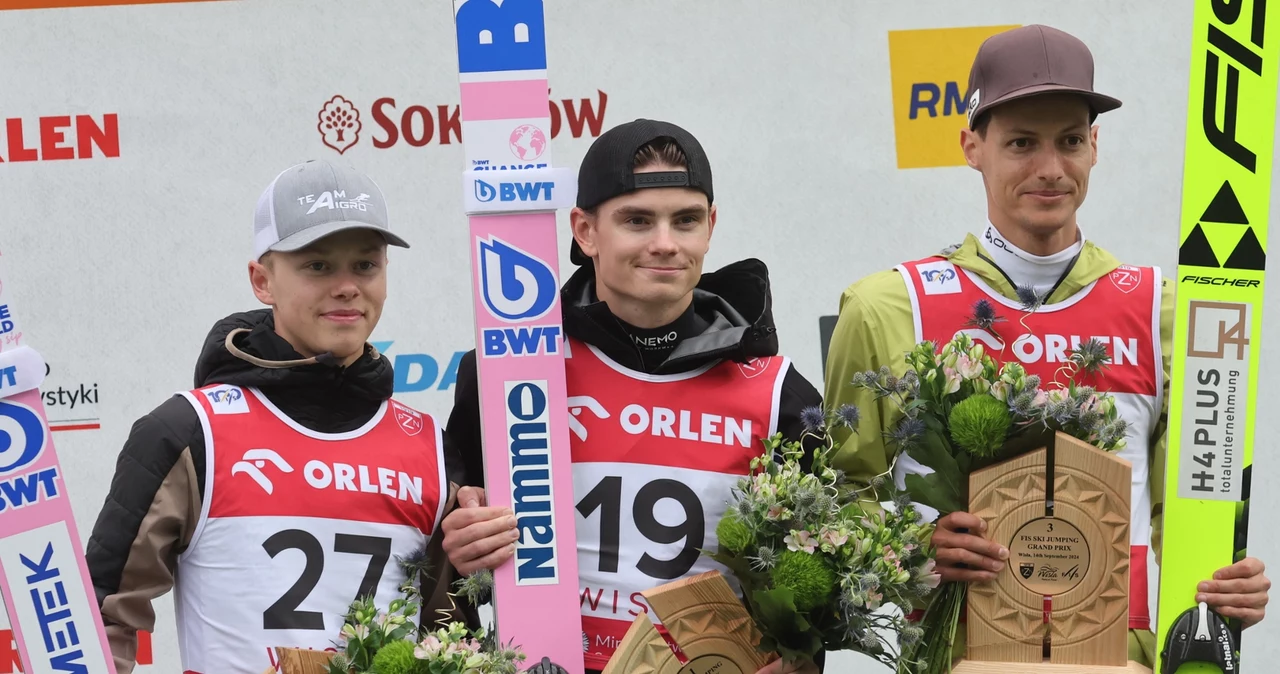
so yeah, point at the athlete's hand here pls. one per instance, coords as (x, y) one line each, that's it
(780, 667)
(478, 537)
(963, 556)
(1238, 591)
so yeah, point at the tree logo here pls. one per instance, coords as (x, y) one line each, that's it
(339, 124)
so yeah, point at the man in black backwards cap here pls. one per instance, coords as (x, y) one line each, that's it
(673, 379)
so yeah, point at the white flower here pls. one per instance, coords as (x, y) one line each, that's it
(428, 649)
(953, 381)
(800, 540)
(968, 367)
(1000, 391)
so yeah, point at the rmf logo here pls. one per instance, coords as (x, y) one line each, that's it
(929, 72)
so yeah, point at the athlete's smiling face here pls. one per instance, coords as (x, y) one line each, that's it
(1035, 156)
(648, 247)
(328, 297)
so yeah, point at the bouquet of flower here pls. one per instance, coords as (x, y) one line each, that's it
(814, 566)
(961, 413)
(391, 642)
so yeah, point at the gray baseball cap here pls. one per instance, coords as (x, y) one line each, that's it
(312, 200)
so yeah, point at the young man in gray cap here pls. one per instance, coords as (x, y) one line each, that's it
(1030, 134)
(648, 333)
(287, 482)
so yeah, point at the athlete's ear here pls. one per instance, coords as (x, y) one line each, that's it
(969, 145)
(1093, 141)
(583, 226)
(260, 279)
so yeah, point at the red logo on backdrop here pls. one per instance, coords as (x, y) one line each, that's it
(418, 125)
(339, 125)
(1126, 278)
(10, 664)
(60, 137)
(410, 420)
(753, 367)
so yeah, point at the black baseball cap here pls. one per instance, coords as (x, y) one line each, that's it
(608, 169)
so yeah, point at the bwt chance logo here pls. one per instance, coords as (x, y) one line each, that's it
(516, 287)
(22, 443)
(525, 192)
(532, 501)
(929, 72)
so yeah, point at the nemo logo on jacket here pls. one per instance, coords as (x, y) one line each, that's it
(929, 72)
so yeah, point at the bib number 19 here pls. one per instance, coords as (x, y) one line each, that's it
(606, 497)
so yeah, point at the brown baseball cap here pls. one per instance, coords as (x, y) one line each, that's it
(1032, 60)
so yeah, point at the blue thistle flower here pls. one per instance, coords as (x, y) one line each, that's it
(1030, 298)
(1023, 404)
(813, 418)
(848, 416)
(1091, 355)
(984, 315)
(907, 432)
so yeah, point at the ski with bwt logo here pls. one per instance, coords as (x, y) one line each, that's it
(1217, 339)
(511, 192)
(44, 579)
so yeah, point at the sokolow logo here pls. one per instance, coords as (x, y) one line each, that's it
(341, 125)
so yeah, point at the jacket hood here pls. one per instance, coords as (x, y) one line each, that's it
(733, 306)
(243, 349)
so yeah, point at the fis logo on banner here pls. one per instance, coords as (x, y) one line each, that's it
(496, 37)
(532, 500)
(524, 190)
(929, 72)
(516, 287)
(22, 443)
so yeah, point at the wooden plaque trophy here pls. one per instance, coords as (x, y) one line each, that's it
(704, 620)
(1062, 603)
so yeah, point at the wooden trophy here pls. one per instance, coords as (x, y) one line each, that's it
(1062, 604)
(710, 632)
(299, 661)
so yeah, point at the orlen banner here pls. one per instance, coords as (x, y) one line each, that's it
(136, 139)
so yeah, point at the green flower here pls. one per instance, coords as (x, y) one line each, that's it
(979, 424)
(807, 576)
(397, 658)
(733, 535)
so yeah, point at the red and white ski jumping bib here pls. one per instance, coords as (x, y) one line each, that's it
(1121, 309)
(296, 525)
(655, 458)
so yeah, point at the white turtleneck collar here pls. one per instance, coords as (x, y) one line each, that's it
(1039, 272)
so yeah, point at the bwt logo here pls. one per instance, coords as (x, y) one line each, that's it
(514, 191)
(340, 124)
(529, 446)
(495, 37)
(254, 461)
(22, 443)
(516, 287)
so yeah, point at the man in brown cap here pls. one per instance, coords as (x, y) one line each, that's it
(1029, 286)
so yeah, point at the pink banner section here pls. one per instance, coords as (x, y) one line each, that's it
(50, 598)
(526, 432)
(504, 100)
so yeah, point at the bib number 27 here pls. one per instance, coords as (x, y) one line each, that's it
(689, 530)
(284, 613)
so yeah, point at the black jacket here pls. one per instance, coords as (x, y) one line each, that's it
(155, 497)
(733, 307)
